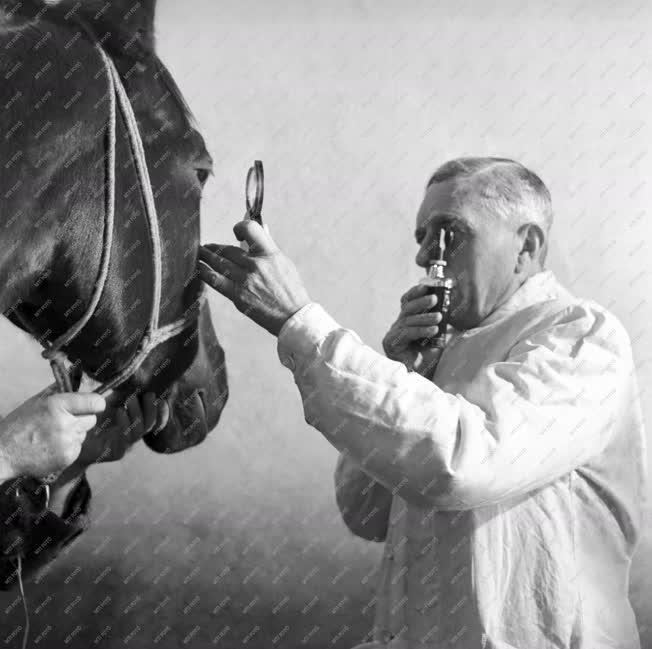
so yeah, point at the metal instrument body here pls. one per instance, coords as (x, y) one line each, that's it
(442, 286)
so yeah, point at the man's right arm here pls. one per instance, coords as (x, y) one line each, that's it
(363, 502)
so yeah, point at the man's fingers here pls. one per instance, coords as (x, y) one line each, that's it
(415, 333)
(212, 253)
(421, 320)
(259, 240)
(114, 399)
(414, 292)
(419, 304)
(221, 264)
(46, 392)
(399, 336)
(238, 256)
(80, 403)
(215, 280)
(84, 423)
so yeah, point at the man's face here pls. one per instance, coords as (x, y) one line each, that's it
(482, 256)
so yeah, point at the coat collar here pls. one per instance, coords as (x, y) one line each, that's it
(540, 287)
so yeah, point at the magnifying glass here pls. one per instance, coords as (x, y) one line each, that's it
(254, 193)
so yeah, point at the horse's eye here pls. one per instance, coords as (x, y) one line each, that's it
(202, 175)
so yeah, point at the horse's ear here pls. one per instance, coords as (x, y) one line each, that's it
(124, 27)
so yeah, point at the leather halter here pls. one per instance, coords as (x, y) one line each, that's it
(154, 334)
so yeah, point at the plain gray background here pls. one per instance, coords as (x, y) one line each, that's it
(350, 105)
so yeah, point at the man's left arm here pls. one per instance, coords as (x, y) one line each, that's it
(524, 422)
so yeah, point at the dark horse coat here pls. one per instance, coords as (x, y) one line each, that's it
(53, 118)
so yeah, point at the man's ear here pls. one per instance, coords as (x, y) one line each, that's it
(532, 240)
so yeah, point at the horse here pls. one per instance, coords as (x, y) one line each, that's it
(55, 107)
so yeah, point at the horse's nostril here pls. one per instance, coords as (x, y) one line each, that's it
(186, 424)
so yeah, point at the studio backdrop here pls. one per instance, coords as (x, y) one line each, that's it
(350, 104)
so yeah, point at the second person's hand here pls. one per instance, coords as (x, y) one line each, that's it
(121, 426)
(45, 433)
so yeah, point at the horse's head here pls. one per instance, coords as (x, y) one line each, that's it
(54, 103)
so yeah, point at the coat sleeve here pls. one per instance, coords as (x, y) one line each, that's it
(363, 502)
(545, 410)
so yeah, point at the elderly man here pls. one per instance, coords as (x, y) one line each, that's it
(506, 475)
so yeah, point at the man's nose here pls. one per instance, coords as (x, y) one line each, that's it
(426, 255)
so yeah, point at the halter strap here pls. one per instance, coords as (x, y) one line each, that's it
(153, 335)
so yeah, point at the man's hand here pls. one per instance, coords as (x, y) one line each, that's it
(413, 324)
(263, 283)
(45, 433)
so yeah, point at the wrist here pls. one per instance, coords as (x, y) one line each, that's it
(289, 313)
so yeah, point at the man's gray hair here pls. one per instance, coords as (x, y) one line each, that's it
(500, 186)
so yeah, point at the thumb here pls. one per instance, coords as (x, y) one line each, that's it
(259, 240)
(81, 403)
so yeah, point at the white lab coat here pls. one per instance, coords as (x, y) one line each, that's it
(517, 472)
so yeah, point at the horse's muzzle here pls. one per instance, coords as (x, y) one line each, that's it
(186, 426)
(197, 399)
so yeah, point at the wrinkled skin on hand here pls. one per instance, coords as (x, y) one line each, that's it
(118, 428)
(45, 433)
(263, 283)
(412, 325)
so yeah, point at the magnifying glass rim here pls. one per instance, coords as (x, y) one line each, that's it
(255, 171)
(260, 183)
(250, 174)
